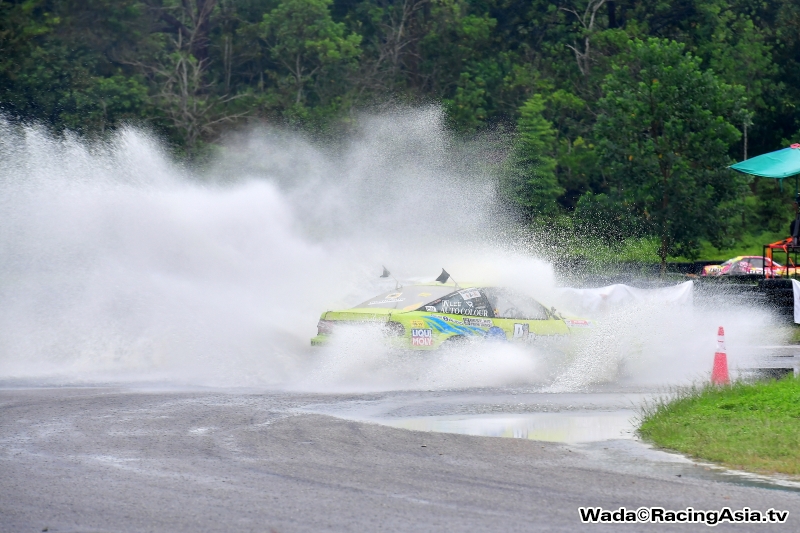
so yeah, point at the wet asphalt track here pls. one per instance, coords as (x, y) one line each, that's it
(102, 459)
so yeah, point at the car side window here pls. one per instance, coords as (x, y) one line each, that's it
(507, 304)
(740, 268)
(756, 262)
(468, 302)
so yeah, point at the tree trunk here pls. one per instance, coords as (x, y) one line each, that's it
(745, 140)
(612, 15)
(202, 23)
(662, 253)
(298, 76)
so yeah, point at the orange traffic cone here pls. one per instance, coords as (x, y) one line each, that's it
(719, 375)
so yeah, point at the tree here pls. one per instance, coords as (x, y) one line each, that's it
(530, 180)
(392, 30)
(181, 65)
(664, 131)
(186, 95)
(583, 53)
(55, 64)
(455, 66)
(307, 46)
(191, 23)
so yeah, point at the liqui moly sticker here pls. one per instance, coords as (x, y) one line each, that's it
(421, 337)
(578, 323)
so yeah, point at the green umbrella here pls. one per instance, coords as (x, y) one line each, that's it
(779, 164)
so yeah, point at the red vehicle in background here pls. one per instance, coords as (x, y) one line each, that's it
(746, 264)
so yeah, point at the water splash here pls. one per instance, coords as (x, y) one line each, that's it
(118, 264)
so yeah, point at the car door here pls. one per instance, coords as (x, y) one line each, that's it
(463, 313)
(522, 317)
(773, 269)
(756, 265)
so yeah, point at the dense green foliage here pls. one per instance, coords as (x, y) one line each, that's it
(745, 426)
(664, 129)
(530, 178)
(624, 114)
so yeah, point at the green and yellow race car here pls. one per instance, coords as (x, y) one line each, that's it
(429, 316)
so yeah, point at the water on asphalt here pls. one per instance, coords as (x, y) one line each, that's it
(602, 422)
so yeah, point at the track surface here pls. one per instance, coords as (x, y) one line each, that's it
(114, 460)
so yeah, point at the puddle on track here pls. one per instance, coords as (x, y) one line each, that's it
(568, 427)
(600, 424)
(570, 418)
(607, 437)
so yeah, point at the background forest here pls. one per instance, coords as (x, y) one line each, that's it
(622, 116)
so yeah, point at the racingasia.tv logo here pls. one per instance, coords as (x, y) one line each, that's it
(421, 337)
(659, 515)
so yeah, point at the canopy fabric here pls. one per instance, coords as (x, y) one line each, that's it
(779, 164)
(593, 303)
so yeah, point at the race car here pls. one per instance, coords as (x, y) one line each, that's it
(745, 264)
(429, 316)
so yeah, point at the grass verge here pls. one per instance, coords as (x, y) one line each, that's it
(747, 426)
(645, 249)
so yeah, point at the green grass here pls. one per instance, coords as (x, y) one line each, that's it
(751, 244)
(753, 427)
(645, 249)
(794, 336)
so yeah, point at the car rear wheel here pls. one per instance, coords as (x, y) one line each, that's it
(456, 341)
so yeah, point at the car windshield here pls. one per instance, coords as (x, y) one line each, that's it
(509, 304)
(407, 298)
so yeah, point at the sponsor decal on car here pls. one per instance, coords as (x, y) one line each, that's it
(469, 294)
(417, 323)
(430, 308)
(455, 308)
(479, 322)
(447, 325)
(578, 323)
(521, 331)
(467, 311)
(421, 337)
